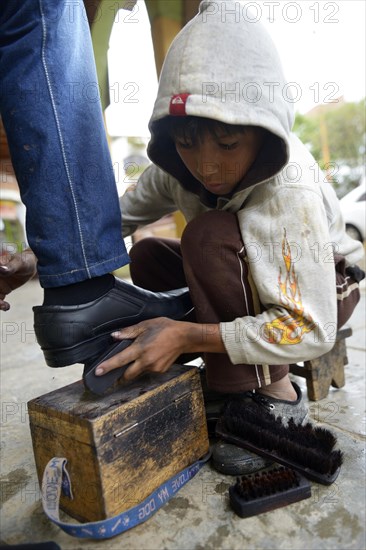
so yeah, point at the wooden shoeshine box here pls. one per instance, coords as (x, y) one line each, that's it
(123, 446)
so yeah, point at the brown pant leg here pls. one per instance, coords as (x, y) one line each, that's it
(157, 265)
(217, 275)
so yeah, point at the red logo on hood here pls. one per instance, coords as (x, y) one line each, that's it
(177, 105)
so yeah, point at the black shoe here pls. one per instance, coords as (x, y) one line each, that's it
(78, 334)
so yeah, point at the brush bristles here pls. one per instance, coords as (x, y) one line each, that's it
(306, 445)
(266, 483)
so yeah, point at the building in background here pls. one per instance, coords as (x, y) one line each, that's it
(12, 210)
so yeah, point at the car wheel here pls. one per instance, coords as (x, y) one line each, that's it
(353, 232)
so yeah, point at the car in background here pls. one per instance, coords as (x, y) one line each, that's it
(353, 207)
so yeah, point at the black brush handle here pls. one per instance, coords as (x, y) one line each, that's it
(100, 384)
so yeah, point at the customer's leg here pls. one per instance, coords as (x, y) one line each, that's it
(50, 106)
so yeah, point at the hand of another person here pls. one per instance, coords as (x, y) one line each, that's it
(15, 271)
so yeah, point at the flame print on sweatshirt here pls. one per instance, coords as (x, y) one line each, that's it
(289, 328)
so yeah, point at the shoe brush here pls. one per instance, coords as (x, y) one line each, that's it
(305, 448)
(267, 490)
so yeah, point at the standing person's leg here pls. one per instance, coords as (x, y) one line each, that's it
(50, 106)
(52, 115)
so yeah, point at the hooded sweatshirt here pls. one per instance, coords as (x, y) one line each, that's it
(225, 67)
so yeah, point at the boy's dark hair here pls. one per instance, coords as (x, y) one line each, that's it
(193, 128)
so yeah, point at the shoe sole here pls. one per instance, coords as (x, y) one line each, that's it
(81, 353)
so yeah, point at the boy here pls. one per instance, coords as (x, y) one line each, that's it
(270, 269)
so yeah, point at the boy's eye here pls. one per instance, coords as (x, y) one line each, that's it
(228, 146)
(183, 144)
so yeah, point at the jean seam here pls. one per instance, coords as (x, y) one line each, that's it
(59, 132)
(78, 270)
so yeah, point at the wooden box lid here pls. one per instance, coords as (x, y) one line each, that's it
(93, 420)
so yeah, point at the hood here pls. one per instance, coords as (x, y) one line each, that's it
(223, 66)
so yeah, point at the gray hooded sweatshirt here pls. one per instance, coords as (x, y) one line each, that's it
(225, 67)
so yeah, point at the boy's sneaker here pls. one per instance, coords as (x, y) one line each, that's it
(282, 408)
(232, 460)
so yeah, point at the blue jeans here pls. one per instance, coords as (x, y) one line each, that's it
(50, 106)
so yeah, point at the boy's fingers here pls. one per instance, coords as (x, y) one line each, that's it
(120, 360)
(128, 333)
(133, 371)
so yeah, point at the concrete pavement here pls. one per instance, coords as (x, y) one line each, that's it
(199, 516)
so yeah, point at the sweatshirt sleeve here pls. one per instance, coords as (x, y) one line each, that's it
(291, 270)
(147, 201)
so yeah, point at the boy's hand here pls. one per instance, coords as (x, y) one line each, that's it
(157, 344)
(15, 271)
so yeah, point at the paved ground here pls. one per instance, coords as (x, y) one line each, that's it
(199, 516)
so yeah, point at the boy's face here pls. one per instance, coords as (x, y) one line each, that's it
(219, 162)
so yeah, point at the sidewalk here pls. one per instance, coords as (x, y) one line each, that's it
(199, 516)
